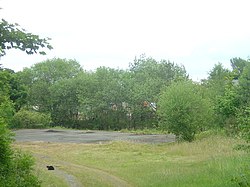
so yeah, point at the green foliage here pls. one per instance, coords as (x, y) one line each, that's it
(19, 172)
(114, 99)
(4, 86)
(65, 102)
(15, 167)
(40, 77)
(30, 119)
(209, 162)
(6, 106)
(210, 133)
(244, 85)
(18, 91)
(5, 141)
(215, 87)
(243, 123)
(242, 179)
(228, 103)
(12, 89)
(53, 70)
(53, 88)
(12, 36)
(183, 111)
(144, 131)
(104, 99)
(6, 111)
(216, 82)
(146, 79)
(238, 65)
(232, 106)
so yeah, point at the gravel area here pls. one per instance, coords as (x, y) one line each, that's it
(83, 136)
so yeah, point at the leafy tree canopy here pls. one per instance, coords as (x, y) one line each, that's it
(12, 36)
(15, 167)
(238, 65)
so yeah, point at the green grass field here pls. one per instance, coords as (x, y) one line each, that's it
(210, 161)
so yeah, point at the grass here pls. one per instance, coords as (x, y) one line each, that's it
(209, 161)
(144, 131)
(49, 179)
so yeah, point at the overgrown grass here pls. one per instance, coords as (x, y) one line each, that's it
(49, 179)
(144, 131)
(208, 161)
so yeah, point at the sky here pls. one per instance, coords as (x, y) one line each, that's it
(195, 33)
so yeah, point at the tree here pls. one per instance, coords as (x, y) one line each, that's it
(230, 106)
(215, 87)
(243, 112)
(17, 92)
(15, 167)
(244, 85)
(243, 123)
(12, 36)
(217, 80)
(104, 98)
(150, 76)
(40, 77)
(147, 78)
(238, 65)
(226, 108)
(183, 111)
(65, 103)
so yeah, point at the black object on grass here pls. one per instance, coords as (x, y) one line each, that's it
(50, 167)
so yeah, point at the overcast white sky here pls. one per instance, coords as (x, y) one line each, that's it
(194, 33)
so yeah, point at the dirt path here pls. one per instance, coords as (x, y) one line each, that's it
(72, 180)
(43, 160)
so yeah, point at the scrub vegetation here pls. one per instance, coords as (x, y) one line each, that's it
(150, 94)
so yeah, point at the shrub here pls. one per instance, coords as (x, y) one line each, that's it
(15, 167)
(5, 141)
(243, 122)
(18, 172)
(183, 111)
(30, 119)
(6, 111)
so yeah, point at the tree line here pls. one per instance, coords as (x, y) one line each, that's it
(104, 99)
(150, 94)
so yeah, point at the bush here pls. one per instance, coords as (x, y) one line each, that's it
(6, 111)
(18, 172)
(15, 167)
(30, 119)
(183, 111)
(5, 141)
(210, 133)
(243, 123)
